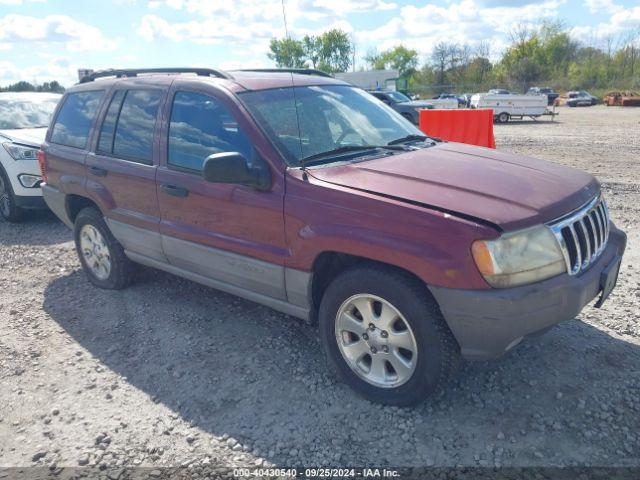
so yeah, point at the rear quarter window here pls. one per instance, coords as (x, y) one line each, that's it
(74, 120)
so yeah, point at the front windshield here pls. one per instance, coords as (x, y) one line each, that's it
(324, 118)
(21, 113)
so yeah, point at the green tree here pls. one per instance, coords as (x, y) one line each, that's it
(335, 51)
(330, 52)
(287, 53)
(400, 58)
(312, 47)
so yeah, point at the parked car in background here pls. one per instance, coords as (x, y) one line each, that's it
(443, 96)
(24, 118)
(499, 91)
(580, 99)
(308, 195)
(622, 99)
(549, 92)
(402, 104)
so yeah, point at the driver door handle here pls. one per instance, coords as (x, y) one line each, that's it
(98, 172)
(174, 190)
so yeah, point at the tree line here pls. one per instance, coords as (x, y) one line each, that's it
(546, 55)
(22, 86)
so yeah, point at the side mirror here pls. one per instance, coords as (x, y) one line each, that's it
(232, 167)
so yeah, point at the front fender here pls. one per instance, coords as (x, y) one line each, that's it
(434, 246)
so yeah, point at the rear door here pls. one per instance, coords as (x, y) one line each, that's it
(121, 169)
(230, 233)
(68, 139)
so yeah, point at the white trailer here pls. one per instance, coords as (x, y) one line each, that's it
(507, 106)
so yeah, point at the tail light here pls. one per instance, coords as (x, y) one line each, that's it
(42, 161)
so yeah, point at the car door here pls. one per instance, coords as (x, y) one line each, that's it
(121, 169)
(230, 233)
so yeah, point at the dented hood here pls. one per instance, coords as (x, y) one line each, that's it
(509, 191)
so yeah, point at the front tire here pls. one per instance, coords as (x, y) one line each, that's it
(384, 336)
(9, 210)
(101, 255)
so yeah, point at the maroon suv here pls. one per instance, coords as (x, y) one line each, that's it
(306, 194)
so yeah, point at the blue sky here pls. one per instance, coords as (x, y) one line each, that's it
(50, 39)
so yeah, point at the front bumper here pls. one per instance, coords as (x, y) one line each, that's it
(487, 323)
(31, 203)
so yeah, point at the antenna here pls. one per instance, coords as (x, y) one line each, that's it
(284, 17)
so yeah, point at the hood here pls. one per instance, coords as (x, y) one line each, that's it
(28, 136)
(416, 103)
(509, 191)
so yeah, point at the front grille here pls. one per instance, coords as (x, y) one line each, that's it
(583, 235)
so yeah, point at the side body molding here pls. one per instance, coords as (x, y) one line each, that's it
(283, 289)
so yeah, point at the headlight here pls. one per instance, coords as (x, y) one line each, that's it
(21, 152)
(519, 258)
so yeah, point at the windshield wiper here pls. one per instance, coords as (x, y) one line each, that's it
(409, 138)
(345, 149)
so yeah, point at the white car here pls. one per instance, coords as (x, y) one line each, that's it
(24, 118)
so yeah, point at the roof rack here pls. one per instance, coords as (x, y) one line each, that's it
(301, 71)
(132, 72)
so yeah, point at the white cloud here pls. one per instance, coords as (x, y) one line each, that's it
(77, 36)
(467, 21)
(621, 25)
(270, 10)
(599, 6)
(206, 32)
(54, 68)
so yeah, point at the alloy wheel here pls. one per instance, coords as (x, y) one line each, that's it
(376, 341)
(95, 252)
(5, 200)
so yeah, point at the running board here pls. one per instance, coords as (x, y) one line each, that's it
(279, 305)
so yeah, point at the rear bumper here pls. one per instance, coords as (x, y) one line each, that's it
(487, 323)
(57, 202)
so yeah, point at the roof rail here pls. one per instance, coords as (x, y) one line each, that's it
(132, 72)
(301, 71)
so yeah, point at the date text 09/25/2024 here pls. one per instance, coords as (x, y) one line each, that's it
(315, 473)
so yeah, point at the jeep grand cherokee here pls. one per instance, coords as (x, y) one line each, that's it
(306, 194)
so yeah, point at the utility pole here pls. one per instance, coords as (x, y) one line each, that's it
(284, 18)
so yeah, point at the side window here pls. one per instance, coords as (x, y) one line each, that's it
(133, 137)
(74, 120)
(105, 143)
(201, 126)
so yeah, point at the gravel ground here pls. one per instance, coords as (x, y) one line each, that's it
(169, 373)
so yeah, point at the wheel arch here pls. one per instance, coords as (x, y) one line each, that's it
(329, 264)
(75, 203)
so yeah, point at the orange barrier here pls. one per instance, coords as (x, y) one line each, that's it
(474, 127)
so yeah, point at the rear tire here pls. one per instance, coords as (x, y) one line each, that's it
(9, 210)
(101, 255)
(503, 117)
(355, 350)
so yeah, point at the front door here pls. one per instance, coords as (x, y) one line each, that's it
(230, 233)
